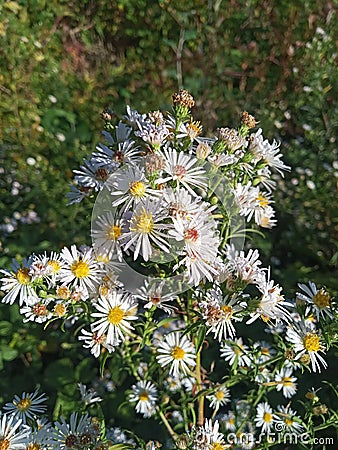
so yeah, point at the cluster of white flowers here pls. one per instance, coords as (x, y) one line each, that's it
(168, 199)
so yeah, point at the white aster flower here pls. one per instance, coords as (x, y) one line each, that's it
(286, 418)
(179, 203)
(94, 341)
(11, 437)
(67, 435)
(145, 229)
(236, 353)
(28, 406)
(219, 314)
(115, 311)
(93, 174)
(318, 301)
(18, 284)
(130, 186)
(271, 305)
(152, 294)
(265, 418)
(183, 169)
(106, 235)
(145, 394)
(178, 351)
(307, 341)
(219, 397)
(36, 310)
(267, 152)
(88, 396)
(79, 269)
(208, 437)
(286, 382)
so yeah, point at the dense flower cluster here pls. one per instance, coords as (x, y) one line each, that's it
(174, 206)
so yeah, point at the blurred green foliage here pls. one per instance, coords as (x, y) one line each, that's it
(62, 62)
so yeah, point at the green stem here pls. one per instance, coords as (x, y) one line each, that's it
(200, 416)
(167, 424)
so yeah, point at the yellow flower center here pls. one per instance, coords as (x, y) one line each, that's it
(4, 444)
(137, 188)
(322, 299)
(262, 200)
(55, 265)
(143, 396)
(80, 269)
(228, 311)
(194, 129)
(238, 350)
(311, 342)
(267, 417)
(116, 315)
(288, 422)
(219, 395)
(113, 232)
(287, 381)
(33, 447)
(60, 309)
(22, 276)
(143, 223)
(217, 446)
(63, 292)
(265, 351)
(24, 404)
(103, 290)
(178, 353)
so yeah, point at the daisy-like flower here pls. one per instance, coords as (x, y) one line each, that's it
(36, 310)
(119, 152)
(93, 174)
(219, 397)
(208, 437)
(88, 396)
(72, 434)
(319, 301)
(307, 341)
(11, 437)
(40, 438)
(287, 419)
(153, 134)
(229, 421)
(178, 351)
(18, 284)
(245, 267)
(51, 266)
(179, 203)
(130, 186)
(152, 294)
(265, 418)
(183, 169)
(286, 382)
(232, 139)
(271, 306)
(264, 352)
(219, 314)
(145, 228)
(115, 311)
(94, 341)
(267, 152)
(28, 406)
(79, 269)
(145, 394)
(106, 235)
(236, 352)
